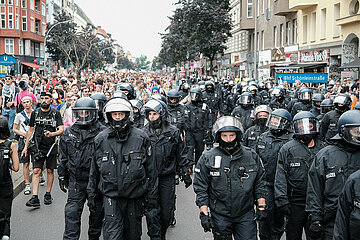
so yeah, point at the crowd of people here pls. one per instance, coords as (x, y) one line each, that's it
(265, 158)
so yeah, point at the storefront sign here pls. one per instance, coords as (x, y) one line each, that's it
(7, 60)
(315, 56)
(292, 57)
(303, 77)
(350, 75)
(277, 54)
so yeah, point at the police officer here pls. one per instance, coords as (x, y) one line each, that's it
(316, 101)
(279, 99)
(212, 99)
(229, 180)
(176, 110)
(76, 152)
(128, 89)
(46, 124)
(123, 171)
(138, 114)
(294, 161)
(169, 154)
(257, 98)
(268, 147)
(304, 104)
(244, 112)
(329, 126)
(198, 125)
(264, 92)
(328, 173)
(253, 133)
(326, 106)
(184, 91)
(100, 100)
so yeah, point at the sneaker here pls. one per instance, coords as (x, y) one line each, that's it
(47, 198)
(33, 202)
(27, 190)
(42, 180)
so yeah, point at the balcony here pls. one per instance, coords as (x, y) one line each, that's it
(281, 8)
(301, 4)
(348, 20)
(247, 24)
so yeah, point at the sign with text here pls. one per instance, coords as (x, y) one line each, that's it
(315, 56)
(303, 77)
(7, 60)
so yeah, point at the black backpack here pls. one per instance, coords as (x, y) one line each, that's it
(5, 150)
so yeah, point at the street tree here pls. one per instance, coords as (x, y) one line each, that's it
(142, 63)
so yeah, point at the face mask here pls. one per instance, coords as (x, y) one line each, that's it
(209, 90)
(156, 124)
(262, 122)
(121, 127)
(45, 106)
(136, 116)
(230, 147)
(306, 139)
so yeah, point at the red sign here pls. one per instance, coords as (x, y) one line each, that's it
(292, 57)
(315, 56)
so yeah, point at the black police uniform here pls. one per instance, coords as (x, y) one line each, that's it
(124, 172)
(265, 96)
(198, 127)
(347, 220)
(229, 186)
(252, 135)
(329, 126)
(76, 153)
(277, 104)
(300, 106)
(294, 161)
(169, 154)
(177, 117)
(315, 110)
(328, 173)
(245, 115)
(214, 103)
(268, 148)
(139, 120)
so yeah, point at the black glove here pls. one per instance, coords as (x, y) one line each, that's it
(285, 209)
(151, 204)
(206, 222)
(187, 180)
(63, 183)
(315, 229)
(261, 215)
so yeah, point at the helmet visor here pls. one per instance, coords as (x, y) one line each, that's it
(277, 122)
(194, 96)
(84, 117)
(305, 96)
(351, 134)
(340, 99)
(325, 109)
(276, 91)
(306, 126)
(245, 100)
(227, 123)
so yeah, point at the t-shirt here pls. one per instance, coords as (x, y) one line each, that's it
(8, 94)
(20, 120)
(38, 90)
(47, 121)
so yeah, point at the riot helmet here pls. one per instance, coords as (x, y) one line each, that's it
(326, 106)
(269, 85)
(85, 111)
(279, 121)
(305, 95)
(128, 89)
(246, 99)
(342, 103)
(262, 113)
(137, 107)
(209, 86)
(159, 107)
(349, 127)
(173, 98)
(195, 95)
(185, 87)
(317, 100)
(278, 93)
(228, 124)
(159, 97)
(305, 126)
(202, 86)
(99, 99)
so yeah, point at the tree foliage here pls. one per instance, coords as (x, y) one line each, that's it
(197, 27)
(142, 63)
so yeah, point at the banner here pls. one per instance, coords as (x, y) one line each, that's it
(303, 77)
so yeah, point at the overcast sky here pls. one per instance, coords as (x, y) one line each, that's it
(135, 24)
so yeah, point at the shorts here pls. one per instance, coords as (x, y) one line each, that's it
(51, 162)
(21, 146)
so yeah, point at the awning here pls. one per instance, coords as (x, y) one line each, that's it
(236, 63)
(309, 65)
(276, 64)
(353, 64)
(32, 65)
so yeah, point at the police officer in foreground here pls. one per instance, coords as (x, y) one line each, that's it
(228, 181)
(123, 172)
(294, 161)
(76, 153)
(169, 154)
(176, 110)
(46, 124)
(329, 123)
(328, 173)
(268, 147)
(252, 135)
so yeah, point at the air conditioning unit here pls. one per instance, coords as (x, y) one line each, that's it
(268, 14)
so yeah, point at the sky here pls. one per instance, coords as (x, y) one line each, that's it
(135, 24)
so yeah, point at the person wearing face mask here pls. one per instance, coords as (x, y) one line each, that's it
(304, 104)
(252, 135)
(138, 115)
(169, 153)
(244, 111)
(268, 147)
(279, 99)
(326, 106)
(294, 161)
(212, 99)
(329, 126)
(176, 110)
(100, 100)
(46, 124)
(316, 101)
(76, 152)
(229, 180)
(327, 176)
(123, 173)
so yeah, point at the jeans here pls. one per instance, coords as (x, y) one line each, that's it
(10, 116)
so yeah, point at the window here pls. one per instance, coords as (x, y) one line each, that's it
(32, 5)
(32, 25)
(313, 27)
(37, 49)
(249, 8)
(37, 27)
(295, 29)
(258, 7)
(9, 45)
(305, 26)
(263, 7)
(21, 47)
(336, 16)
(32, 49)
(16, 3)
(281, 35)
(262, 40)
(288, 32)
(43, 9)
(17, 21)
(37, 5)
(257, 41)
(3, 21)
(23, 3)
(275, 37)
(10, 2)
(323, 23)
(42, 53)
(24, 26)
(2, 2)
(11, 21)
(43, 29)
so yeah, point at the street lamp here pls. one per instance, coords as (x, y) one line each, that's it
(46, 35)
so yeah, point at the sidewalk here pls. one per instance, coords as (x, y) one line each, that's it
(18, 180)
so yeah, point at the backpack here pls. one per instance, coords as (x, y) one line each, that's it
(19, 106)
(5, 150)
